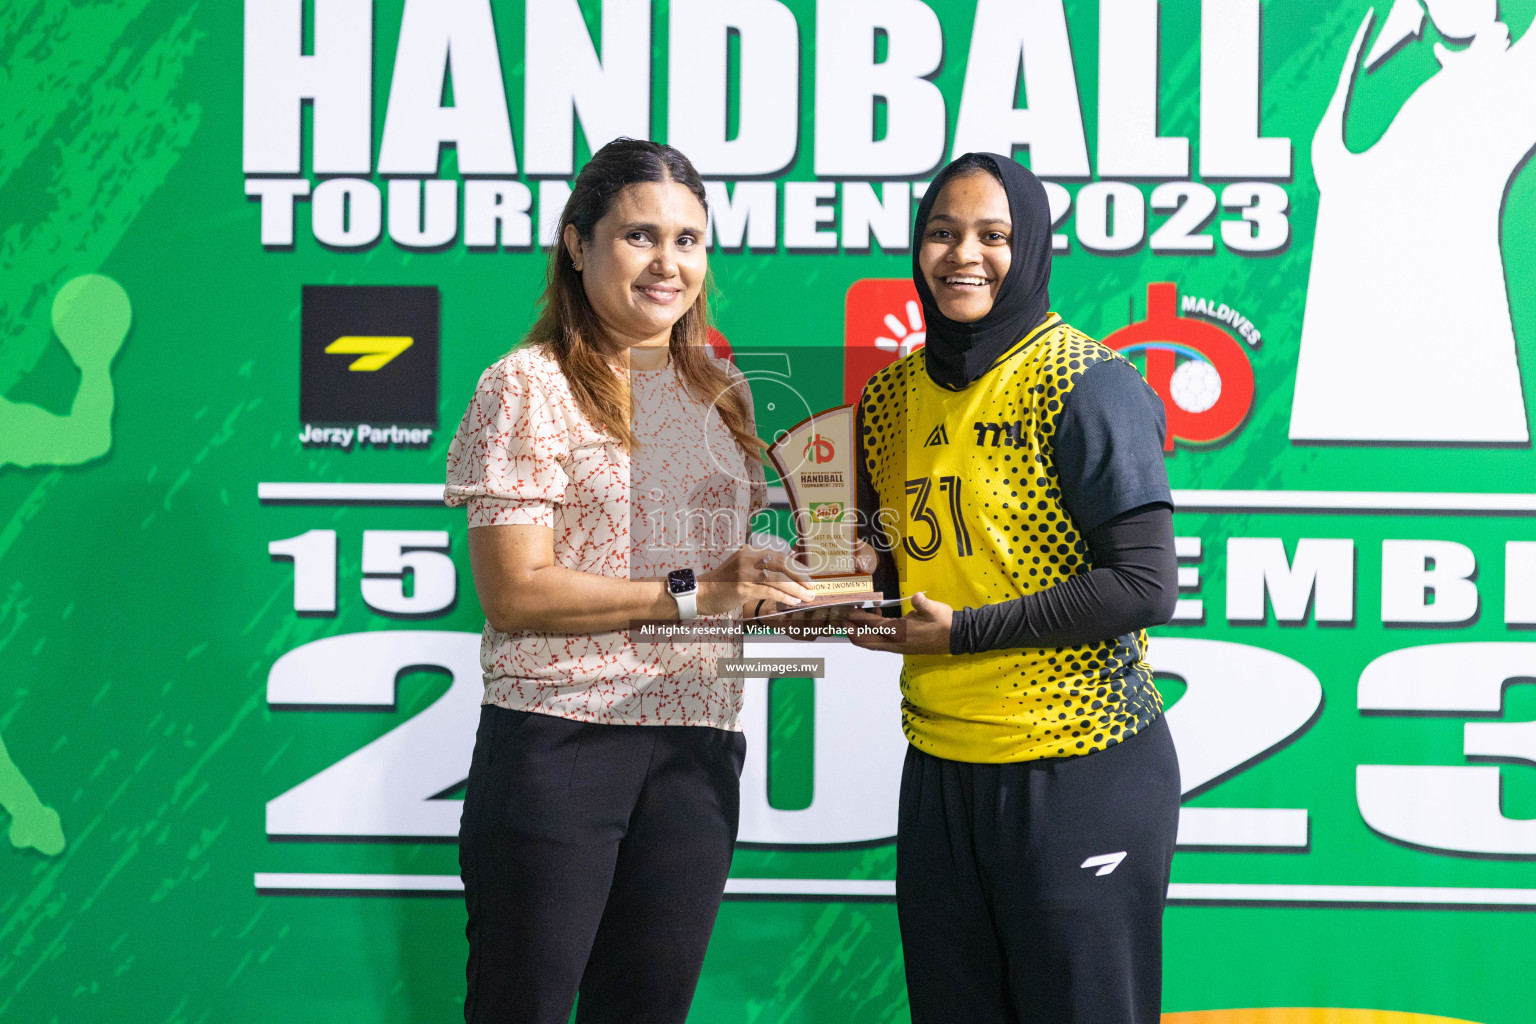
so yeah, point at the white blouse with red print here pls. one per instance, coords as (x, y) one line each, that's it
(525, 454)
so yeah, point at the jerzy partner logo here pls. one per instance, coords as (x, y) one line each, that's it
(368, 366)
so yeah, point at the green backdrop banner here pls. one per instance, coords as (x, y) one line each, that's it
(254, 257)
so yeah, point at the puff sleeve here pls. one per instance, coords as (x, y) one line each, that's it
(507, 460)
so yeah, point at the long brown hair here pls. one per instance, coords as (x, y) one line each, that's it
(569, 328)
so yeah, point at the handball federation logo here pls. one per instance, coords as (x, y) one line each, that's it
(819, 449)
(1201, 372)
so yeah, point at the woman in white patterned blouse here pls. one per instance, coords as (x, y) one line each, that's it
(610, 468)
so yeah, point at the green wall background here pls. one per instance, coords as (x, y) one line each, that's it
(140, 612)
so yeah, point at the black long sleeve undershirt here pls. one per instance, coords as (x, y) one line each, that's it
(1133, 584)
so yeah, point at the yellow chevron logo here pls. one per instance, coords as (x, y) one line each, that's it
(374, 352)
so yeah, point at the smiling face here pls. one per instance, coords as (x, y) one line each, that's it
(967, 246)
(644, 264)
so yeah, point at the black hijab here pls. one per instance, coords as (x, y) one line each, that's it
(956, 354)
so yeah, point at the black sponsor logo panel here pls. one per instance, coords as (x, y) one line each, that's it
(403, 390)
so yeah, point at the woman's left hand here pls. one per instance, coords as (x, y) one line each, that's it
(926, 628)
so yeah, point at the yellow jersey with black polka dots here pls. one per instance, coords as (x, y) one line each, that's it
(971, 507)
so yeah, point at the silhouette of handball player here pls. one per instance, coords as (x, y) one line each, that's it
(91, 316)
(32, 823)
(1407, 333)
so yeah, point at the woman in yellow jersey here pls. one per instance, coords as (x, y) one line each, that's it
(1015, 469)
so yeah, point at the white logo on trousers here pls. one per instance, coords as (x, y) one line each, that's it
(1105, 862)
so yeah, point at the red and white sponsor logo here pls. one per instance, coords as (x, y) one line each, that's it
(819, 449)
(1201, 372)
(882, 322)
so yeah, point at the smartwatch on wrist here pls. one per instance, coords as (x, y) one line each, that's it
(684, 588)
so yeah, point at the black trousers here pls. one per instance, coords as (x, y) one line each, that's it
(594, 858)
(1001, 921)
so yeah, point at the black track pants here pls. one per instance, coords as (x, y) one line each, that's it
(594, 858)
(1000, 920)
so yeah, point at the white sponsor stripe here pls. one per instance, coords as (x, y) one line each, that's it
(1183, 892)
(308, 882)
(1381, 895)
(866, 887)
(320, 882)
(1185, 500)
(1350, 501)
(1242, 827)
(390, 494)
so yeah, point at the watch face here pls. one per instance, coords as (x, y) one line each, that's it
(680, 581)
